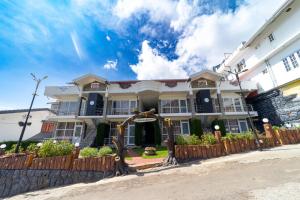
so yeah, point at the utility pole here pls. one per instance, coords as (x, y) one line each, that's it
(236, 73)
(38, 81)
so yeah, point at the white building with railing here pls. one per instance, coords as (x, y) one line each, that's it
(93, 100)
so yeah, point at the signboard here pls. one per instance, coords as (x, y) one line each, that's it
(142, 120)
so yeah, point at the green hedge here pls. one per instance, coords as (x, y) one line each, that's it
(12, 144)
(196, 127)
(138, 134)
(102, 132)
(221, 125)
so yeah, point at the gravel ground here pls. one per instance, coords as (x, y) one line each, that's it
(268, 175)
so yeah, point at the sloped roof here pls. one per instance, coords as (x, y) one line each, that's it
(87, 78)
(24, 110)
(208, 74)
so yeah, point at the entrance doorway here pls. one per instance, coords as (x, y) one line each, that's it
(149, 135)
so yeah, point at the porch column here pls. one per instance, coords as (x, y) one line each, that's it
(104, 113)
(192, 102)
(220, 100)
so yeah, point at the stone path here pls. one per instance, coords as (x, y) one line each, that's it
(142, 163)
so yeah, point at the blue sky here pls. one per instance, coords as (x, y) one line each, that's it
(117, 39)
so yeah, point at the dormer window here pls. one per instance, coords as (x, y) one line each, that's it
(271, 37)
(95, 85)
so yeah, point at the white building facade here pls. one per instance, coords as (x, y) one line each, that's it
(93, 100)
(271, 59)
(10, 129)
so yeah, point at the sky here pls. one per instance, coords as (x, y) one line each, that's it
(117, 39)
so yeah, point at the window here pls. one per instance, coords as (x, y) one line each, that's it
(129, 134)
(95, 85)
(65, 130)
(121, 107)
(237, 105)
(185, 127)
(228, 105)
(241, 65)
(271, 37)
(294, 61)
(68, 108)
(286, 64)
(176, 130)
(232, 126)
(174, 106)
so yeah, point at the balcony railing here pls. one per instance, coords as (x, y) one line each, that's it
(238, 108)
(199, 108)
(119, 111)
(174, 110)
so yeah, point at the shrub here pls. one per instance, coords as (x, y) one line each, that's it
(106, 150)
(102, 131)
(32, 148)
(275, 128)
(208, 139)
(187, 140)
(24, 144)
(49, 149)
(193, 140)
(13, 149)
(196, 128)
(89, 152)
(180, 140)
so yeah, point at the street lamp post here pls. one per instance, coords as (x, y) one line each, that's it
(38, 81)
(236, 73)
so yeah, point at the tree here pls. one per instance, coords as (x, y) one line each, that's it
(102, 131)
(196, 128)
(157, 134)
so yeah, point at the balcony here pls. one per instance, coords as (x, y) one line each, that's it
(119, 111)
(199, 108)
(236, 109)
(57, 91)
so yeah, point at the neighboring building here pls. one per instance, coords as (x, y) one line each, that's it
(93, 100)
(272, 60)
(10, 129)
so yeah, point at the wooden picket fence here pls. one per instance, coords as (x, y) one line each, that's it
(69, 162)
(281, 137)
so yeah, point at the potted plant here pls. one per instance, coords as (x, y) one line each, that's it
(150, 151)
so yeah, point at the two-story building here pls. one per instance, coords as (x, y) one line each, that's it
(271, 58)
(91, 100)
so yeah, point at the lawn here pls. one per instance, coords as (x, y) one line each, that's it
(161, 152)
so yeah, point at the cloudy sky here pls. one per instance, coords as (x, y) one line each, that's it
(117, 39)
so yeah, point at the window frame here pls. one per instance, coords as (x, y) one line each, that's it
(286, 64)
(271, 37)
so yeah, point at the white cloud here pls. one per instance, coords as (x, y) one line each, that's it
(77, 45)
(203, 39)
(153, 66)
(158, 10)
(111, 64)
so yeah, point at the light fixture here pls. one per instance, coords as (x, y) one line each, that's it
(77, 144)
(265, 120)
(217, 127)
(54, 141)
(39, 144)
(2, 146)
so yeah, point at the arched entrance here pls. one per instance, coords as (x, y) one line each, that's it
(141, 117)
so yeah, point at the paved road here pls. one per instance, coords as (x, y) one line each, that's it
(272, 175)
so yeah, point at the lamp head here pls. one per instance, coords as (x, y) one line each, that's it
(217, 127)
(265, 120)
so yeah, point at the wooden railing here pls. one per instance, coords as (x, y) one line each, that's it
(70, 162)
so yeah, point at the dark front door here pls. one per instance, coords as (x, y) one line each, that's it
(149, 134)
